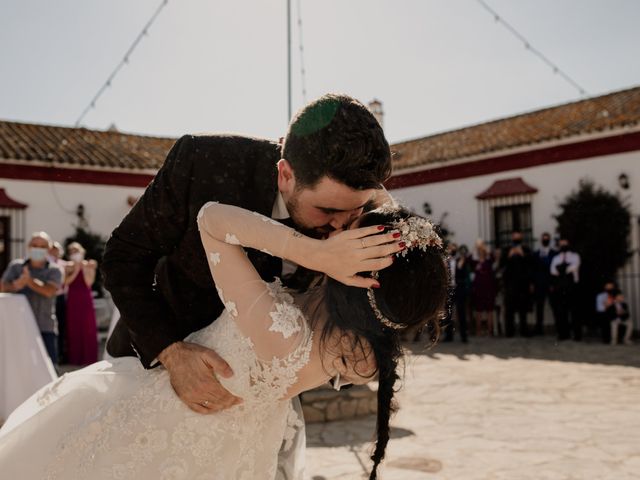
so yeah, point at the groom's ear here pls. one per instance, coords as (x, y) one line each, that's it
(286, 177)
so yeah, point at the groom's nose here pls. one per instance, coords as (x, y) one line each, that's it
(339, 220)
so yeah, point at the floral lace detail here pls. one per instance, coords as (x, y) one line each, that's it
(150, 433)
(294, 423)
(214, 258)
(287, 318)
(229, 306)
(231, 239)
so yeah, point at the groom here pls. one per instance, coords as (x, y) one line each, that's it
(329, 170)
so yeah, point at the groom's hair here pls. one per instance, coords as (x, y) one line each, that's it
(338, 137)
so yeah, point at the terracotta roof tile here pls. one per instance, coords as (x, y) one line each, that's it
(507, 187)
(81, 147)
(607, 112)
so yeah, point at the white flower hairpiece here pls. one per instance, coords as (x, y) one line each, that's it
(415, 232)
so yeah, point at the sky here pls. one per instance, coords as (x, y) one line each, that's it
(221, 66)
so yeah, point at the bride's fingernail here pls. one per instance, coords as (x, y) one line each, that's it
(381, 227)
(402, 244)
(376, 285)
(397, 235)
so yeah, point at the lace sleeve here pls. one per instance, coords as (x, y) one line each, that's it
(264, 313)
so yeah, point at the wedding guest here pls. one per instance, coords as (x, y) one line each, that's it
(565, 274)
(462, 289)
(517, 276)
(615, 311)
(448, 325)
(483, 288)
(55, 258)
(542, 279)
(82, 334)
(39, 281)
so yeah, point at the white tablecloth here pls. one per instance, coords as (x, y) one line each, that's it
(25, 365)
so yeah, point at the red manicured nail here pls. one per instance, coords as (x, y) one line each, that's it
(376, 285)
(402, 244)
(397, 235)
(380, 227)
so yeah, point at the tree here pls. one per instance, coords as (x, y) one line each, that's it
(597, 224)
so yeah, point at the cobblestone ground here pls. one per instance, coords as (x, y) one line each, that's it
(500, 409)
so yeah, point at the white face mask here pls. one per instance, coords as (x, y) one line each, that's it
(76, 257)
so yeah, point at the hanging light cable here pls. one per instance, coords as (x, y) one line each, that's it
(302, 69)
(528, 46)
(125, 60)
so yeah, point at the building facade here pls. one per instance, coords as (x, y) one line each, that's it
(487, 180)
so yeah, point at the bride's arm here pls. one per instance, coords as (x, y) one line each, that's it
(341, 256)
(224, 229)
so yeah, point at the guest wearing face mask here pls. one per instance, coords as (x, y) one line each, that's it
(542, 278)
(565, 276)
(39, 281)
(82, 334)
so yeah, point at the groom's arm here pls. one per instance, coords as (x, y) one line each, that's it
(151, 230)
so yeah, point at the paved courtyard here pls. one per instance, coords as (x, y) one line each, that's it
(500, 409)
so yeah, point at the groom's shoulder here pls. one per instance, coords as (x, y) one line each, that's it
(229, 143)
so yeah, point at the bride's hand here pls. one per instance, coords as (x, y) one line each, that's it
(347, 253)
(192, 370)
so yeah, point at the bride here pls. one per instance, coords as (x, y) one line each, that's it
(116, 420)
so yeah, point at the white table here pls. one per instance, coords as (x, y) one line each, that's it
(25, 366)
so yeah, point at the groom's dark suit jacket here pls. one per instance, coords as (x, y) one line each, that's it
(154, 264)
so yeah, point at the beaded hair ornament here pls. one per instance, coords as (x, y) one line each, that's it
(415, 232)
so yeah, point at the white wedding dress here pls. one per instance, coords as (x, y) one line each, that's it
(115, 420)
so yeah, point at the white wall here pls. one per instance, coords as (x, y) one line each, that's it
(52, 205)
(554, 182)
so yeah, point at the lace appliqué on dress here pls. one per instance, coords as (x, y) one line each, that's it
(287, 318)
(229, 306)
(214, 258)
(231, 239)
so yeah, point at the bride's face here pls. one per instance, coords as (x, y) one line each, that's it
(355, 362)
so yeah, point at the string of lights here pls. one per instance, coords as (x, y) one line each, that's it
(123, 62)
(302, 69)
(557, 70)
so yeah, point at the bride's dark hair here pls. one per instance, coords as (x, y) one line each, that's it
(413, 292)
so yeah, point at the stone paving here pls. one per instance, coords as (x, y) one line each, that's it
(500, 409)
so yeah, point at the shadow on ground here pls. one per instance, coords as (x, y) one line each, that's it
(539, 348)
(351, 433)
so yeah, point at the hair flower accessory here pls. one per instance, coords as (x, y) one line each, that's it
(417, 232)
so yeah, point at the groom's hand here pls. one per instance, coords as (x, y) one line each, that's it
(192, 370)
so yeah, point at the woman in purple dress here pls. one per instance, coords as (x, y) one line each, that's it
(483, 288)
(82, 334)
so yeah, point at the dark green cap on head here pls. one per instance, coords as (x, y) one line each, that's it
(316, 117)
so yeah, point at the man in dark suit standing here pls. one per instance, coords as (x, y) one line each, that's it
(329, 170)
(518, 284)
(542, 281)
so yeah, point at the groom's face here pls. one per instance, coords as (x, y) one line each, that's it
(327, 206)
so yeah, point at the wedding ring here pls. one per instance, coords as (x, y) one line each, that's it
(362, 243)
(205, 403)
